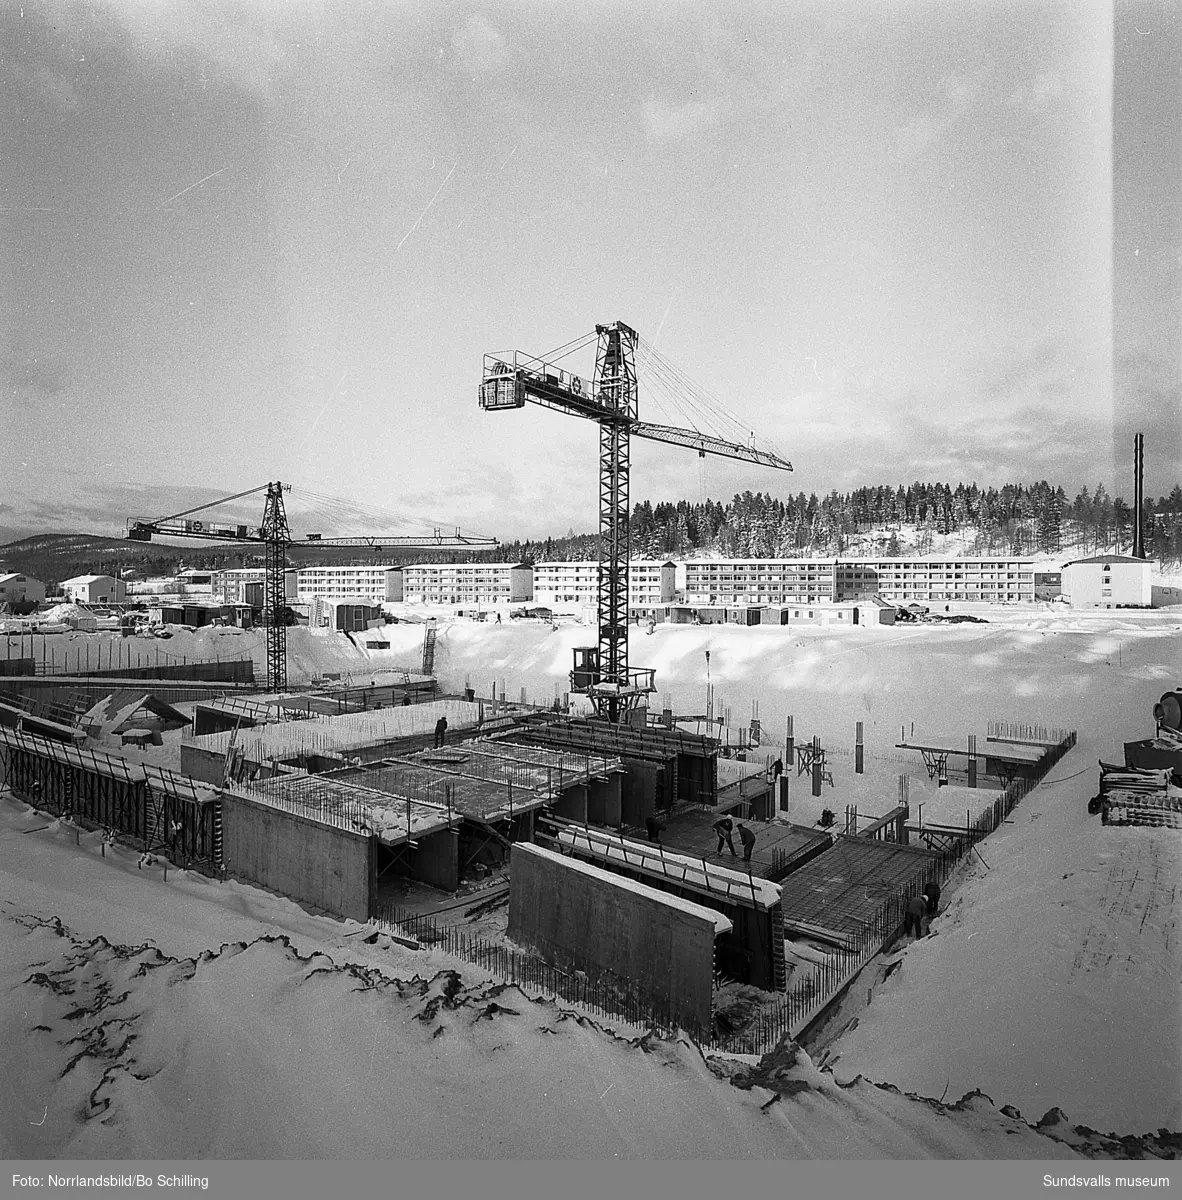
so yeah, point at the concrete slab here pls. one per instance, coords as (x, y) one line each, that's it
(779, 847)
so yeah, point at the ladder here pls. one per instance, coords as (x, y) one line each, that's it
(429, 649)
(217, 834)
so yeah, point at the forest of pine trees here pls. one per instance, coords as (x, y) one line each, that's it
(1015, 519)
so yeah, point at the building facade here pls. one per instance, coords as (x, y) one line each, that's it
(95, 589)
(468, 583)
(1108, 581)
(816, 580)
(576, 584)
(377, 584)
(760, 581)
(990, 580)
(16, 588)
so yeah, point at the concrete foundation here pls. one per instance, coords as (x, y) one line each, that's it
(586, 919)
(313, 863)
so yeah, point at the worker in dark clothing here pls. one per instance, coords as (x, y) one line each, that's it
(778, 768)
(406, 698)
(654, 827)
(440, 731)
(723, 827)
(748, 840)
(931, 893)
(913, 915)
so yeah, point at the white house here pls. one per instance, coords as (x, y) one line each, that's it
(15, 588)
(1108, 581)
(95, 589)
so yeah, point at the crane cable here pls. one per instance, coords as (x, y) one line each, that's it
(211, 504)
(349, 511)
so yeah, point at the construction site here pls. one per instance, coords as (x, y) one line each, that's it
(589, 844)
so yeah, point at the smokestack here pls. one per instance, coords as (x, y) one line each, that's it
(1138, 499)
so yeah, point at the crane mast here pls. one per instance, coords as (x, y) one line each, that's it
(275, 535)
(615, 387)
(602, 672)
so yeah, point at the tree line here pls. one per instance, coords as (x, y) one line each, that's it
(1015, 519)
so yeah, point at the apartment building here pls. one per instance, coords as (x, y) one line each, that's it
(375, 583)
(576, 584)
(760, 581)
(814, 580)
(468, 583)
(991, 580)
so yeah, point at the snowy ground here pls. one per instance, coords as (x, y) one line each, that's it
(1051, 981)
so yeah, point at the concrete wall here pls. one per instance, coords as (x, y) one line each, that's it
(572, 804)
(198, 762)
(437, 860)
(638, 797)
(603, 801)
(313, 863)
(586, 919)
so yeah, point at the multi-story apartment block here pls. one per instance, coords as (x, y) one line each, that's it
(574, 584)
(350, 581)
(760, 581)
(468, 583)
(816, 580)
(993, 580)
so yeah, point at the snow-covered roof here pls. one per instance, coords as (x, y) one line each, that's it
(87, 579)
(5, 576)
(1107, 558)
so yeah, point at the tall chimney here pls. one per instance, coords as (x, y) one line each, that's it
(1138, 498)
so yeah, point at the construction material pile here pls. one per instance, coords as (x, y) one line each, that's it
(1138, 796)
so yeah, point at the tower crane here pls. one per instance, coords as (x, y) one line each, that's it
(508, 381)
(275, 534)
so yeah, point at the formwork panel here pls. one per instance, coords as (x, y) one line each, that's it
(585, 918)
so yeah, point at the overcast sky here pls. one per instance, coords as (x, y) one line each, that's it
(250, 241)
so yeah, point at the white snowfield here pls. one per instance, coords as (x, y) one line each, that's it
(1051, 981)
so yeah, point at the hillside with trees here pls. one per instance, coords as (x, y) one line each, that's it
(886, 521)
(871, 522)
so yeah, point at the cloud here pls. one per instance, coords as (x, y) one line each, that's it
(1040, 93)
(250, 43)
(479, 46)
(32, 378)
(958, 96)
(665, 122)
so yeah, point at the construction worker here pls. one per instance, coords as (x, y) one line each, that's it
(748, 840)
(931, 893)
(654, 827)
(723, 827)
(440, 731)
(913, 916)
